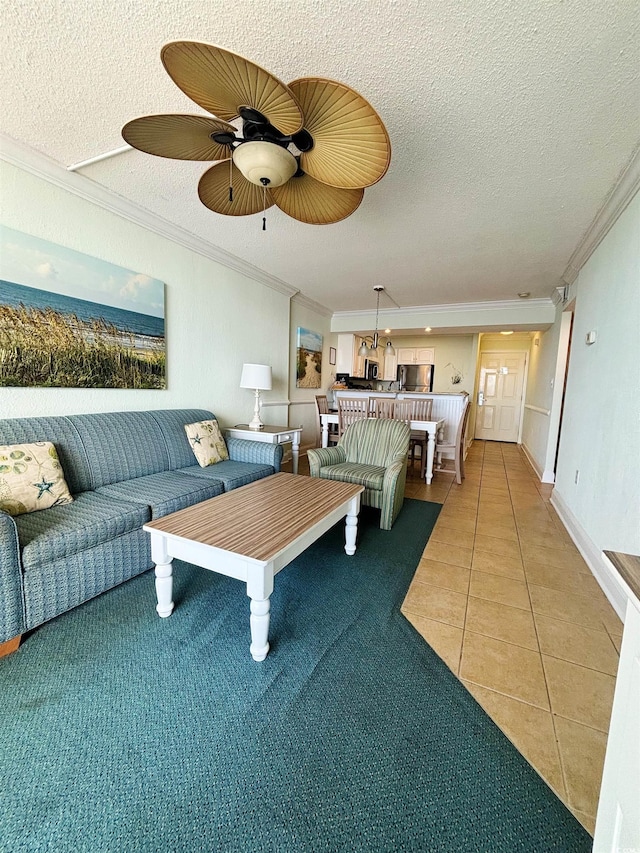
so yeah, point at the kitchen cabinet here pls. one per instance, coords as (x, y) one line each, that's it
(415, 355)
(347, 358)
(390, 367)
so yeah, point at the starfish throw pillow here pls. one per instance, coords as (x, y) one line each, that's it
(207, 442)
(31, 478)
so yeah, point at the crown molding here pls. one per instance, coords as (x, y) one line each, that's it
(304, 301)
(38, 164)
(514, 304)
(613, 206)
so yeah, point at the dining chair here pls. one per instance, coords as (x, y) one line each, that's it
(382, 407)
(457, 446)
(350, 410)
(322, 406)
(420, 411)
(402, 410)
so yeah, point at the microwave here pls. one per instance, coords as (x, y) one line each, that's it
(370, 369)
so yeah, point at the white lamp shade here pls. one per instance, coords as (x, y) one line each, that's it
(265, 160)
(256, 376)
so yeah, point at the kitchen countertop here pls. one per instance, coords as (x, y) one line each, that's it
(437, 393)
(395, 393)
(628, 567)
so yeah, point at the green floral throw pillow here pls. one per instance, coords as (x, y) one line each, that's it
(31, 478)
(207, 442)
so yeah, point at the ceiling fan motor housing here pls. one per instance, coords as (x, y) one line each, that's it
(265, 163)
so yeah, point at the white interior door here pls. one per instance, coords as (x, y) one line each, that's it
(500, 395)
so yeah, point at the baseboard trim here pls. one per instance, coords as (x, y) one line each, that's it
(545, 476)
(600, 567)
(531, 460)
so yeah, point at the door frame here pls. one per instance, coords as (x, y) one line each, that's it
(557, 400)
(495, 351)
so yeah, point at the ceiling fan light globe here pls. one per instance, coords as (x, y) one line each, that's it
(265, 162)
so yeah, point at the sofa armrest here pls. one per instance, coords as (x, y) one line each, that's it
(320, 456)
(258, 452)
(12, 621)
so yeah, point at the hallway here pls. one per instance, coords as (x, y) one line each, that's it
(506, 600)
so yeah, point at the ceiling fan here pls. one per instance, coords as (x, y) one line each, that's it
(311, 147)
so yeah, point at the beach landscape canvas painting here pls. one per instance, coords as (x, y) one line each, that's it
(73, 321)
(308, 359)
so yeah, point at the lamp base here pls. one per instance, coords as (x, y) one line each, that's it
(256, 423)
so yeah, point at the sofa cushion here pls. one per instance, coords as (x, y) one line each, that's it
(207, 442)
(61, 431)
(369, 476)
(31, 478)
(121, 445)
(171, 422)
(165, 492)
(232, 474)
(64, 530)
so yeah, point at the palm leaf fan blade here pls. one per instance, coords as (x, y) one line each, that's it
(351, 146)
(307, 200)
(180, 137)
(221, 82)
(213, 190)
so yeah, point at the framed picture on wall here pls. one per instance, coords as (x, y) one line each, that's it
(308, 359)
(69, 320)
(332, 355)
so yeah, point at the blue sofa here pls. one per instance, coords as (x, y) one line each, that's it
(123, 469)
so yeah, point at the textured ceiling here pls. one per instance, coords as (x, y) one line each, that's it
(509, 123)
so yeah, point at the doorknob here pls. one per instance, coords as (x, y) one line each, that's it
(480, 398)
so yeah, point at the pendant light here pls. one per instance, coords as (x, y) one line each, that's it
(364, 349)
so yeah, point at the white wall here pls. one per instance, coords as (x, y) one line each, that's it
(303, 400)
(216, 318)
(601, 423)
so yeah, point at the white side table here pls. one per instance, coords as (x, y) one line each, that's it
(271, 435)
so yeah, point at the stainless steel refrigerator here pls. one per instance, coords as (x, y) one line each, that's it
(415, 377)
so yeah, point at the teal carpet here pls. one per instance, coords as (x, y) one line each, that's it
(124, 732)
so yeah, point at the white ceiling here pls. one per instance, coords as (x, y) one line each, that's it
(510, 123)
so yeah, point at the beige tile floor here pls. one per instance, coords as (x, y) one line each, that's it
(504, 598)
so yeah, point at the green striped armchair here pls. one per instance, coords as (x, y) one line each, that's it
(372, 453)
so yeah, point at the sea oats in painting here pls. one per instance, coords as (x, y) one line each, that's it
(70, 320)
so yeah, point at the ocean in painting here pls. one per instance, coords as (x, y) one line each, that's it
(141, 326)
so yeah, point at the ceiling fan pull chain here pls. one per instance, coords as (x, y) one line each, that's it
(264, 207)
(231, 178)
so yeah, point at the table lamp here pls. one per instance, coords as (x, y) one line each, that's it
(258, 377)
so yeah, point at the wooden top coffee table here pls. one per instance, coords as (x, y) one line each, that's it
(251, 534)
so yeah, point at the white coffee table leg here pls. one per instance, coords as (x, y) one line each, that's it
(259, 620)
(351, 526)
(325, 434)
(164, 575)
(259, 588)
